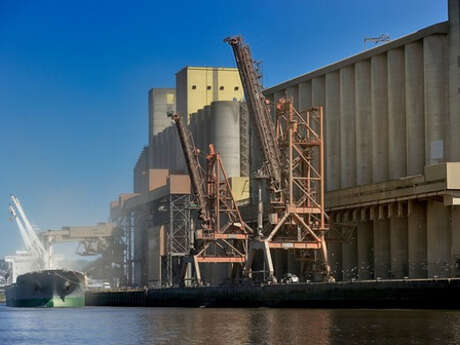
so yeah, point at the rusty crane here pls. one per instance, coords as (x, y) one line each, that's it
(293, 165)
(221, 235)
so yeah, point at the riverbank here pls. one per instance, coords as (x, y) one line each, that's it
(417, 293)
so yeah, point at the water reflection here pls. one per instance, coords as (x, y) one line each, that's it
(227, 326)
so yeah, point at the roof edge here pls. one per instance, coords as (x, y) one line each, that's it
(439, 28)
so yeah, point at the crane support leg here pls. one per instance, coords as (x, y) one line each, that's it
(269, 262)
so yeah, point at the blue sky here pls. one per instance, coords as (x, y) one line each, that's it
(74, 78)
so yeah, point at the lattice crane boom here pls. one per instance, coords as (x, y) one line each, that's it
(26, 229)
(259, 109)
(197, 177)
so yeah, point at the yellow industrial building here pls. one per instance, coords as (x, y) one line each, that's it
(197, 87)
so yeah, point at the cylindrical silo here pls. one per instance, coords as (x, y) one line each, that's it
(226, 134)
(454, 81)
(193, 125)
(305, 94)
(363, 122)
(332, 117)
(436, 97)
(200, 136)
(318, 92)
(244, 139)
(293, 92)
(379, 101)
(171, 149)
(318, 99)
(347, 127)
(161, 150)
(208, 128)
(396, 114)
(415, 118)
(152, 150)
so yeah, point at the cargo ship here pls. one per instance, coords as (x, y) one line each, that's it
(47, 288)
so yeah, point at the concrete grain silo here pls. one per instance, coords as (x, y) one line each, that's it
(225, 134)
(392, 129)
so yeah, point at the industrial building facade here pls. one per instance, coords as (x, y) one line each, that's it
(392, 118)
(392, 162)
(154, 217)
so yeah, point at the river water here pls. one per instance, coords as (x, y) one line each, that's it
(100, 325)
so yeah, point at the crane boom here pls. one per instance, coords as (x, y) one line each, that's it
(222, 236)
(36, 245)
(294, 162)
(191, 158)
(259, 109)
(22, 230)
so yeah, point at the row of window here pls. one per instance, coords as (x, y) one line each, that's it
(236, 88)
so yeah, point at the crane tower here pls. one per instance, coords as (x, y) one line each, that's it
(293, 164)
(222, 235)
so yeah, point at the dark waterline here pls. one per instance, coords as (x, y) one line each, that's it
(101, 325)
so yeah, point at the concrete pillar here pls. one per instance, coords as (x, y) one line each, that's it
(399, 247)
(436, 97)
(305, 94)
(415, 123)
(280, 262)
(454, 80)
(365, 250)
(455, 231)
(396, 114)
(416, 224)
(363, 122)
(293, 265)
(379, 101)
(438, 239)
(382, 248)
(333, 130)
(350, 259)
(347, 127)
(334, 250)
(293, 92)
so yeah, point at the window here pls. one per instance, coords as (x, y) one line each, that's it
(221, 88)
(236, 88)
(208, 87)
(193, 87)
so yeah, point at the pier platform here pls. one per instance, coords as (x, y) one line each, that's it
(419, 293)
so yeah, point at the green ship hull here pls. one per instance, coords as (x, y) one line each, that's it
(47, 289)
(70, 302)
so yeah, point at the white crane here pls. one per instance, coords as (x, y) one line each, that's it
(28, 234)
(21, 228)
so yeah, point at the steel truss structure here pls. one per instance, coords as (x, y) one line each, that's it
(294, 164)
(224, 238)
(179, 240)
(126, 225)
(221, 235)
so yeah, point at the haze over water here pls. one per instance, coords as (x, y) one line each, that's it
(144, 326)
